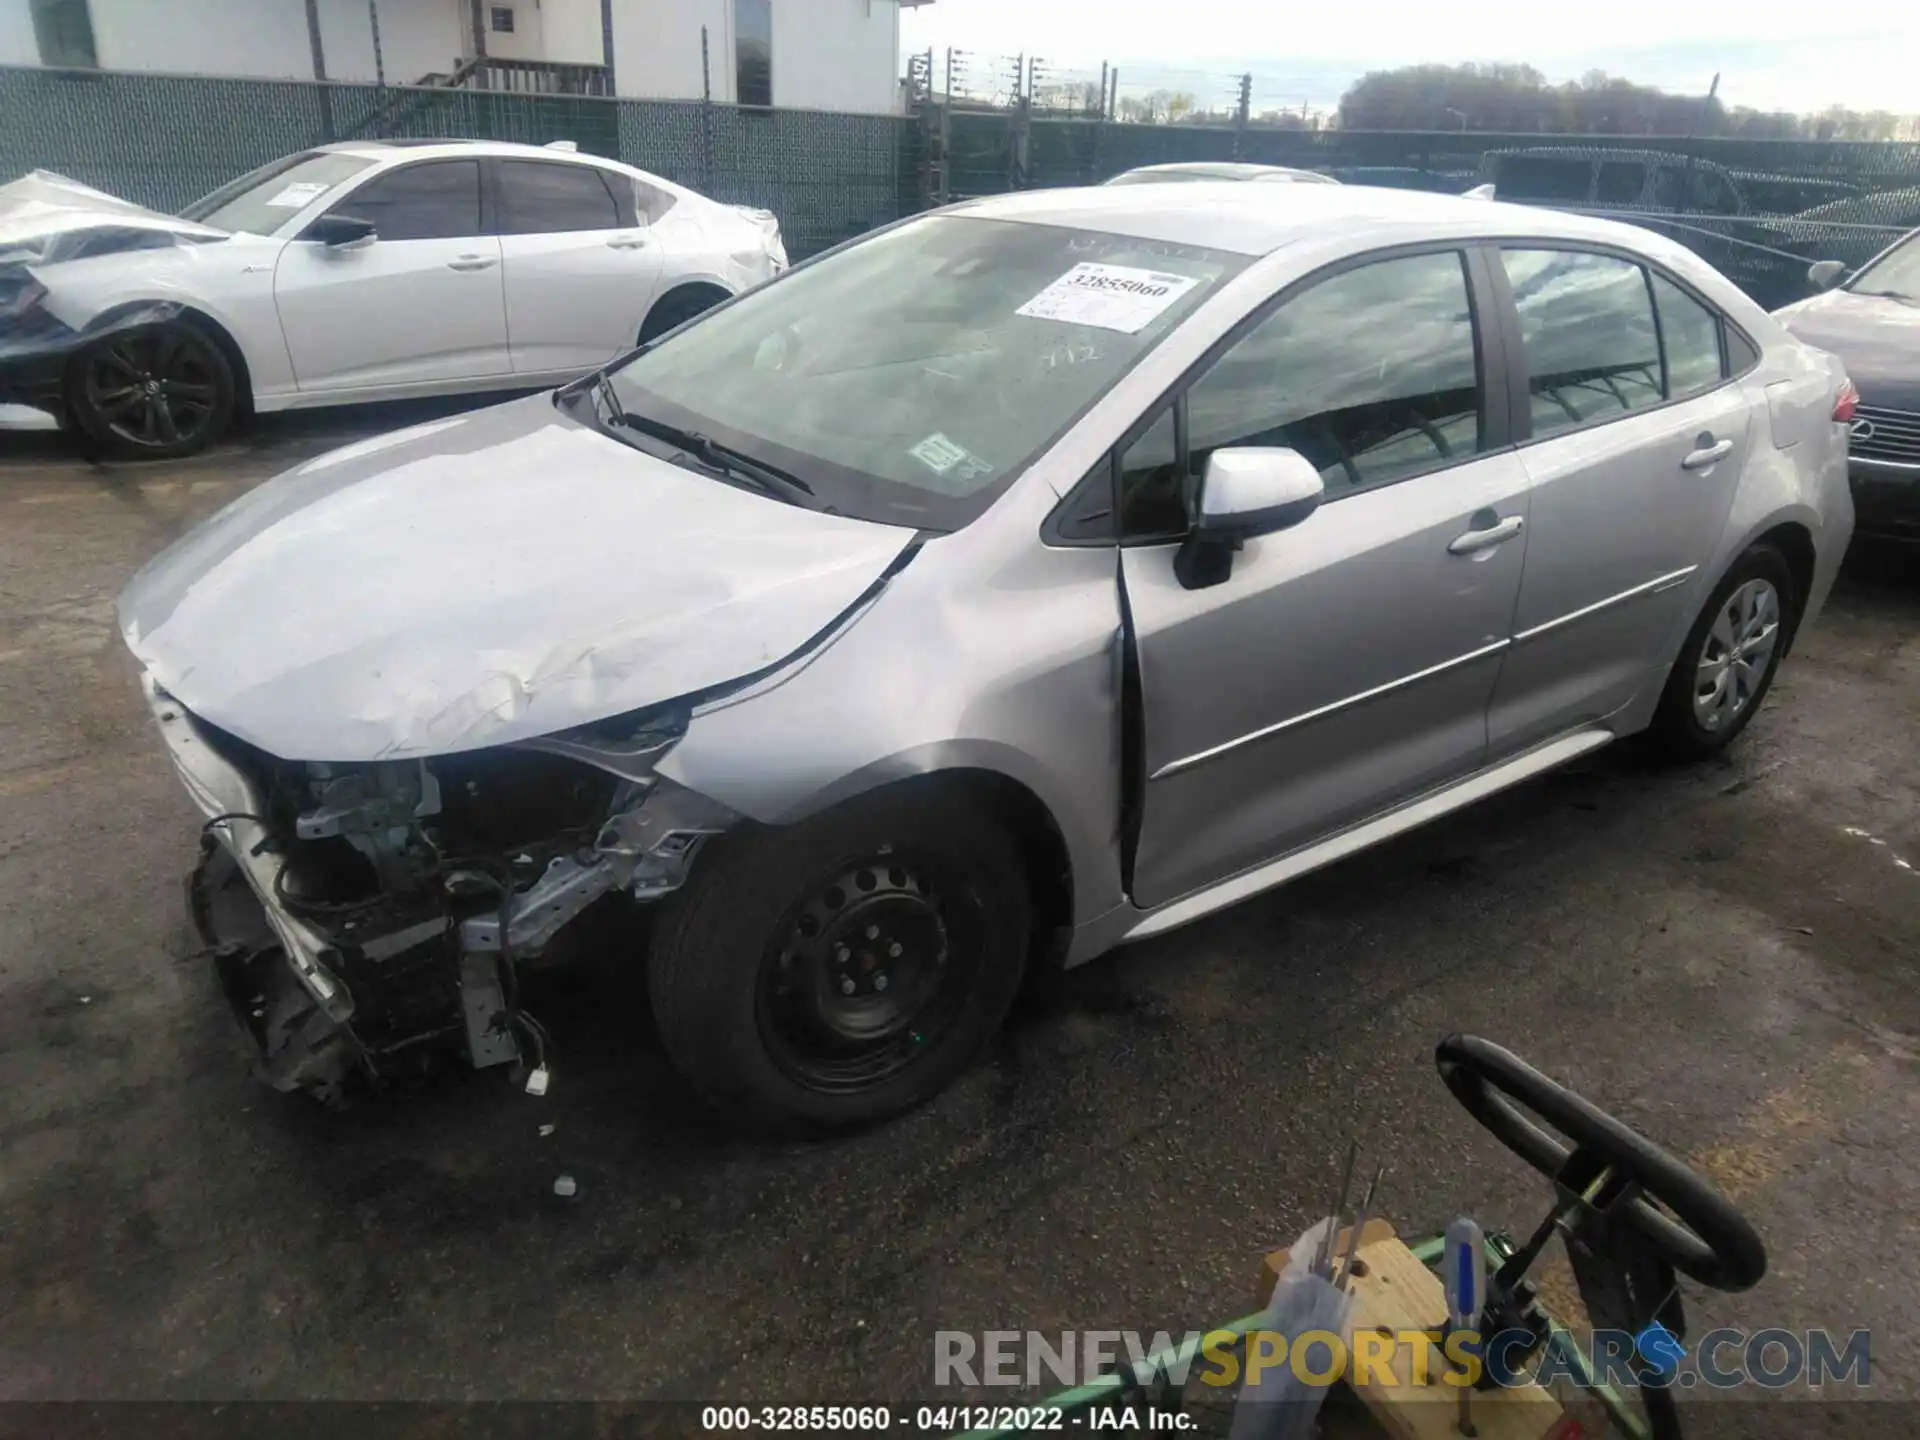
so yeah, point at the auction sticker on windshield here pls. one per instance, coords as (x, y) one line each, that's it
(299, 195)
(1111, 297)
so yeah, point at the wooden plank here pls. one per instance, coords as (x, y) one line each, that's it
(1393, 1292)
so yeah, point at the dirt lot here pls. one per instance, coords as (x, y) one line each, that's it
(1723, 955)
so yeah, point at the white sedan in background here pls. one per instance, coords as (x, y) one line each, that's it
(368, 270)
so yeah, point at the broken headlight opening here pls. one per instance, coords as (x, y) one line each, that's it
(367, 919)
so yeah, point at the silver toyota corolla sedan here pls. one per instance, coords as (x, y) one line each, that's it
(1026, 578)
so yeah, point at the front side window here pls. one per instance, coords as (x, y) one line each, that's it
(439, 200)
(753, 51)
(1371, 374)
(1550, 180)
(1586, 324)
(260, 202)
(1153, 498)
(1690, 333)
(1621, 182)
(910, 377)
(541, 197)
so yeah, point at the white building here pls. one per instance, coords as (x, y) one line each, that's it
(817, 54)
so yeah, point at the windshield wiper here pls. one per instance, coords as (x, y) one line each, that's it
(1900, 295)
(771, 479)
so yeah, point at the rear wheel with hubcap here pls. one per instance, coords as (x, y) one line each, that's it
(1731, 654)
(152, 391)
(839, 971)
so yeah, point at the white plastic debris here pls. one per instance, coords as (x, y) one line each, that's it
(564, 1187)
(537, 1080)
(546, 1130)
(1277, 1405)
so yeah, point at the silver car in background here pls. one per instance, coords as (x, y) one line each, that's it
(1024, 579)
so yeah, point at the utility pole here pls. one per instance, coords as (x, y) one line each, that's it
(1242, 112)
(1685, 197)
(379, 59)
(1100, 110)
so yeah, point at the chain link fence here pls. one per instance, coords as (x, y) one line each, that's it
(1759, 210)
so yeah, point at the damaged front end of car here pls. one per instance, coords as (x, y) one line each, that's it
(367, 919)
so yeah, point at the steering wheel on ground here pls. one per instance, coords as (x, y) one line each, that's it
(1704, 1237)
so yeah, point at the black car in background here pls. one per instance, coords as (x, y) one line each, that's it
(1871, 320)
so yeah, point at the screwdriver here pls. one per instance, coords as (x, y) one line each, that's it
(1465, 1273)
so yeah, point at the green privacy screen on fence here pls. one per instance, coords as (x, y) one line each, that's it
(1760, 210)
(164, 141)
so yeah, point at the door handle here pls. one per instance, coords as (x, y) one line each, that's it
(1497, 534)
(1707, 455)
(628, 242)
(474, 262)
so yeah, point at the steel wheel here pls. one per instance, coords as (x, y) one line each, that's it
(1733, 660)
(161, 390)
(870, 971)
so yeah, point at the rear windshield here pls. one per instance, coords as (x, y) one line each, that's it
(261, 202)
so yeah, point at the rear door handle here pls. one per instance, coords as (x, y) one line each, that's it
(474, 262)
(1707, 455)
(627, 242)
(1496, 534)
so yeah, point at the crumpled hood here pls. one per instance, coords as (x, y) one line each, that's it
(479, 580)
(46, 217)
(1876, 338)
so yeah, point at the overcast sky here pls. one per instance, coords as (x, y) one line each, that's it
(1864, 54)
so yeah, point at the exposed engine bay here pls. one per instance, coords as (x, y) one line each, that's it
(368, 918)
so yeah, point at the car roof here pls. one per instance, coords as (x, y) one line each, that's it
(1221, 169)
(1257, 219)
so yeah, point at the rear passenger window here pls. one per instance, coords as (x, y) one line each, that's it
(1586, 323)
(543, 198)
(1691, 334)
(1372, 375)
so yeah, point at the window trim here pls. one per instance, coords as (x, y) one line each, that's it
(374, 177)
(619, 187)
(1493, 369)
(1509, 317)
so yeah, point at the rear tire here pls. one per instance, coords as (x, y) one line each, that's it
(1728, 662)
(152, 392)
(837, 972)
(676, 309)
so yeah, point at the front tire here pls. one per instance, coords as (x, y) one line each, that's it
(1728, 663)
(152, 392)
(837, 972)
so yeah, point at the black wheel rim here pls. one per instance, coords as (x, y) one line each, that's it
(154, 389)
(869, 971)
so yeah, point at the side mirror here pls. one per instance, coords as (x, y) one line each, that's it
(1826, 274)
(1245, 492)
(338, 232)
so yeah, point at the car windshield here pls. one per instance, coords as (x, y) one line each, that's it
(1895, 273)
(910, 377)
(261, 202)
